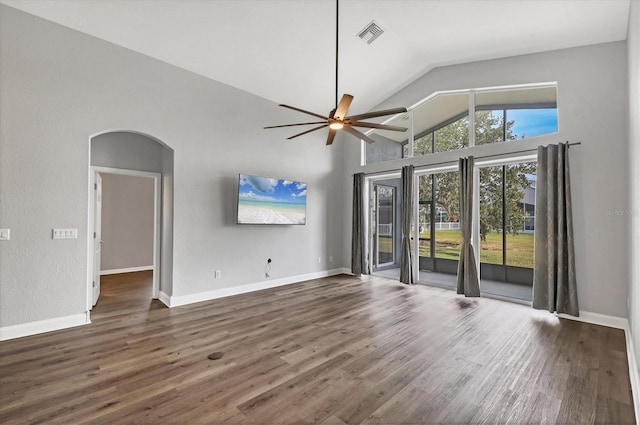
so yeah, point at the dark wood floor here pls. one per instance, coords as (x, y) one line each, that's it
(338, 350)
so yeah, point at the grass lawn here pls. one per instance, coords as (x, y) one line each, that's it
(385, 244)
(449, 242)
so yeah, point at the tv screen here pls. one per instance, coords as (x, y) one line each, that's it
(264, 200)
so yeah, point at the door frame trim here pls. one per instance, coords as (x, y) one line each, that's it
(157, 198)
(376, 235)
(369, 180)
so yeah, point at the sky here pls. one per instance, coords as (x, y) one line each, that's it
(254, 188)
(533, 122)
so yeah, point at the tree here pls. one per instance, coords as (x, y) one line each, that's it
(454, 136)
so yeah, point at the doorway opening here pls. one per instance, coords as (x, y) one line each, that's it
(126, 231)
(130, 174)
(384, 234)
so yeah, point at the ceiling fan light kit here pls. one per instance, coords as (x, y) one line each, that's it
(337, 119)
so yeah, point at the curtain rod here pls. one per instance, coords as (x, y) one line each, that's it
(394, 170)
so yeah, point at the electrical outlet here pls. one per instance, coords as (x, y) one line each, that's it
(5, 234)
(331, 258)
(218, 274)
(319, 260)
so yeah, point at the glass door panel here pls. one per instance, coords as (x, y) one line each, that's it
(520, 214)
(385, 196)
(507, 206)
(439, 221)
(448, 236)
(491, 226)
(384, 231)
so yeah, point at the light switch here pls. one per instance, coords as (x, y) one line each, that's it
(65, 234)
(5, 234)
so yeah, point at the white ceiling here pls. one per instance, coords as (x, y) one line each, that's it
(283, 50)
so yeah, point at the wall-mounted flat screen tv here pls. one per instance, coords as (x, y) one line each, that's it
(264, 200)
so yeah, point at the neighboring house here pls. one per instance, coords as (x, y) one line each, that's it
(528, 204)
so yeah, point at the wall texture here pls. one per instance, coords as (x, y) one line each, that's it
(127, 222)
(59, 87)
(127, 150)
(592, 102)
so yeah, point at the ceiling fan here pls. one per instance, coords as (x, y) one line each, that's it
(338, 119)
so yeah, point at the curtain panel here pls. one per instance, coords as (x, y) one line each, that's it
(406, 264)
(358, 257)
(468, 283)
(554, 273)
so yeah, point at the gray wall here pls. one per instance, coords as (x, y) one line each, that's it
(633, 49)
(383, 149)
(127, 222)
(127, 150)
(60, 87)
(592, 102)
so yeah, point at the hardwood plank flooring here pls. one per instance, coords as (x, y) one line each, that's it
(339, 350)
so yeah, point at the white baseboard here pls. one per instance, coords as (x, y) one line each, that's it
(598, 319)
(41, 326)
(127, 270)
(165, 299)
(175, 301)
(633, 372)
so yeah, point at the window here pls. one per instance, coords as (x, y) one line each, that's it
(441, 123)
(506, 115)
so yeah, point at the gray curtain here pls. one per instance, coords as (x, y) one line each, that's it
(554, 273)
(358, 257)
(468, 283)
(406, 267)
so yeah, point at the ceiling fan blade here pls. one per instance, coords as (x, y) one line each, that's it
(378, 126)
(293, 125)
(332, 135)
(375, 114)
(308, 131)
(358, 134)
(305, 112)
(343, 107)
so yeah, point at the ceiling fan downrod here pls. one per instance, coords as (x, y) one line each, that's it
(337, 119)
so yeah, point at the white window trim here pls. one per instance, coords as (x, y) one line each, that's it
(472, 92)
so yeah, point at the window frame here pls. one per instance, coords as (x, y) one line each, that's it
(470, 113)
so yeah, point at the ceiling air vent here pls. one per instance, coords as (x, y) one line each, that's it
(370, 32)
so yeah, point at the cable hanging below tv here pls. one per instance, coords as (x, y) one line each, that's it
(265, 200)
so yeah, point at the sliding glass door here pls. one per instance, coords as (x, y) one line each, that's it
(507, 204)
(504, 209)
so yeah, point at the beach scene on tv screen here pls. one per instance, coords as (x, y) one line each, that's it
(263, 200)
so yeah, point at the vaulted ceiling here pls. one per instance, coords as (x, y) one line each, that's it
(283, 50)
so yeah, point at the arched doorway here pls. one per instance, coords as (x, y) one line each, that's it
(132, 155)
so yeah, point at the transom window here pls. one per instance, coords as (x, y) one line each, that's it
(443, 122)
